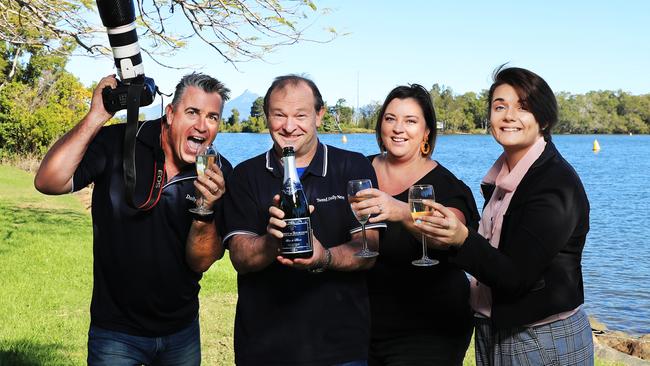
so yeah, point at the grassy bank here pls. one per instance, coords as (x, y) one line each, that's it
(46, 281)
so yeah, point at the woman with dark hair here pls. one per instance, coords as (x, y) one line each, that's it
(527, 293)
(419, 315)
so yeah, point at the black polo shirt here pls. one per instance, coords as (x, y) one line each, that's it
(142, 283)
(292, 317)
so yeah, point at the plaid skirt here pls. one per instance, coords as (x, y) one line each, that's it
(562, 342)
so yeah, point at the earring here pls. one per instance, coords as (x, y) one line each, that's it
(425, 148)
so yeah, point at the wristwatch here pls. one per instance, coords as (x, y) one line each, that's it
(322, 266)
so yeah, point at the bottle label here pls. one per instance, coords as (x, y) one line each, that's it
(289, 187)
(297, 236)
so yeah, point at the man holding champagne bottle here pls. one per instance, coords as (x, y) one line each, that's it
(147, 262)
(302, 291)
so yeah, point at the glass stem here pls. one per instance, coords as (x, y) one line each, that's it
(363, 231)
(424, 247)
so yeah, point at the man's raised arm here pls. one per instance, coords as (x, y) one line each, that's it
(54, 176)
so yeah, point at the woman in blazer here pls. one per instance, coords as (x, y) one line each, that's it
(527, 290)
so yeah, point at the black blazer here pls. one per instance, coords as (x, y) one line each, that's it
(536, 271)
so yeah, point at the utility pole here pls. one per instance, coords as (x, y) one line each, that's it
(356, 111)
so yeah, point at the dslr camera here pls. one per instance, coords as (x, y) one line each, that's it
(118, 16)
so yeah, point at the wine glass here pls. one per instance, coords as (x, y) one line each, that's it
(205, 156)
(355, 186)
(417, 193)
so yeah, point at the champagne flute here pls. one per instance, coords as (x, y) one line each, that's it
(417, 193)
(205, 156)
(355, 186)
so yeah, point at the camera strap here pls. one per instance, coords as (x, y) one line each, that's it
(128, 164)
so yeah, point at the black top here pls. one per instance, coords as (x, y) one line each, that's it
(142, 283)
(292, 317)
(536, 271)
(405, 299)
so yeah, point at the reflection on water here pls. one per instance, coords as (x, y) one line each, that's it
(616, 263)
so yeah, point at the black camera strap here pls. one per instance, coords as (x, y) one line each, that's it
(128, 164)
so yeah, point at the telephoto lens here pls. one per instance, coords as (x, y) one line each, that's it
(118, 16)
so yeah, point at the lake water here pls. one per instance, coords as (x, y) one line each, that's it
(616, 260)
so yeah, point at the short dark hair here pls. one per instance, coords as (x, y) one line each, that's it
(418, 93)
(534, 94)
(204, 82)
(292, 79)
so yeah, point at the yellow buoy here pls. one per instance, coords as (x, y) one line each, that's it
(344, 139)
(596, 147)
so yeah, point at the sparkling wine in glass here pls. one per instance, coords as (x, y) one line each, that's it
(205, 156)
(417, 193)
(355, 186)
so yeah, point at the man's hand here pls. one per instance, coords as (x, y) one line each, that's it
(317, 260)
(97, 111)
(211, 185)
(274, 229)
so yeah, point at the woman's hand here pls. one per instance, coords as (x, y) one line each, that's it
(443, 227)
(381, 204)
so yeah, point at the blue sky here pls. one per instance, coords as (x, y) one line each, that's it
(577, 46)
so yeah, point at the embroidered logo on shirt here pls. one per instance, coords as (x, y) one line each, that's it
(190, 198)
(330, 198)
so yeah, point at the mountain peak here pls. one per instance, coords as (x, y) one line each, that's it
(242, 103)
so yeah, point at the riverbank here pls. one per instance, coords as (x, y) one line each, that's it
(620, 347)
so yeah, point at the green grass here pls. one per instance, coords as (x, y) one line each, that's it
(46, 282)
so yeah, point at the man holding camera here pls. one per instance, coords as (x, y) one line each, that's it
(147, 263)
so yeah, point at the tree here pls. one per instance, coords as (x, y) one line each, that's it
(234, 117)
(369, 114)
(337, 116)
(254, 124)
(257, 108)
(33, 117)
(238, 30)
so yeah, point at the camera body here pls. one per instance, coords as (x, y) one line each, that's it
(116, 99)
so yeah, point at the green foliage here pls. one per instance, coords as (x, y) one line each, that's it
(234, 117)
(254, 124)
(368, 115)
(257, 109)
(39, 101)
(604, 112)
(337, 117)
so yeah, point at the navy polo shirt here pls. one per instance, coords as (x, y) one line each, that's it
(287, 316)
(142, 284)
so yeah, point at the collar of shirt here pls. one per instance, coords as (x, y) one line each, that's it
(508, 180)
(317, 166)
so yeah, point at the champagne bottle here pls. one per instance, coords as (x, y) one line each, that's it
(296, 242)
